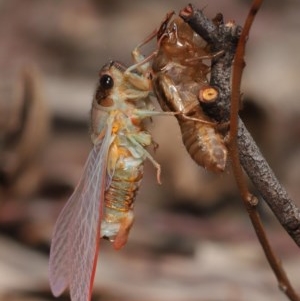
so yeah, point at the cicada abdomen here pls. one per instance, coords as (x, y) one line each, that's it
(179, 77)
(120, 196)
(204, 145)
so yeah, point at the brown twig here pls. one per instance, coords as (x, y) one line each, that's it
(224, 37)
(241, 146)
(250, 202)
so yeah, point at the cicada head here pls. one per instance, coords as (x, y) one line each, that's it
(171, 42)
(177, 42)
(110, 80)
(164, 25)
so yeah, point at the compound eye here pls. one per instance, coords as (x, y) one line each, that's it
(106, 82)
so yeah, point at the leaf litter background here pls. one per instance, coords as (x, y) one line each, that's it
(192, 239)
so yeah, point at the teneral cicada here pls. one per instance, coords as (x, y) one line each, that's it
(102, 203)
(180, 82)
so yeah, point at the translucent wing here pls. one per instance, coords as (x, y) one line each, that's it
(74, 247)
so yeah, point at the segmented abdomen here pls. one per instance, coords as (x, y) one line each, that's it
(124, 186)
(119, 197)
(204, 144)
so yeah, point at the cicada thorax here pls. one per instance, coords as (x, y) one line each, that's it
(179, 75)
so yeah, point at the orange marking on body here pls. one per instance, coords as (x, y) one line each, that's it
(122, 236)
(136, 121)
(115, 127)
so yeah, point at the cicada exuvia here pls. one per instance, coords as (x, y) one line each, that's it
(180, 82)
(102, 202)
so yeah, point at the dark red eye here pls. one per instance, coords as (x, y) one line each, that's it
(106, 82)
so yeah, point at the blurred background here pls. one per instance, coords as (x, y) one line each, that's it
(192, 239)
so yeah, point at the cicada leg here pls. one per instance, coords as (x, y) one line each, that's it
(155, 145)
(171, 100)
(205, 57)
(141, 114)
(142, 80)
(197, 119)
(135, 140)
(141, 63)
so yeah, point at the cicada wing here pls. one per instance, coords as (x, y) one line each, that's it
(74, 247)
(60, 261)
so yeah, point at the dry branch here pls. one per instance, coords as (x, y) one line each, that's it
(224, 37)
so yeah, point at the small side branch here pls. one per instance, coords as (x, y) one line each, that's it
(267, 184)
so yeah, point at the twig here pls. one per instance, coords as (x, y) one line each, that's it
(224, 37)
(250, 202)
(241, 146)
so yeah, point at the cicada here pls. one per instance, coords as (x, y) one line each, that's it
(102, 203)
(180, 82)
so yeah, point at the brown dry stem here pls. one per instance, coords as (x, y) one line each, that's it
(222, 37)
(241, 145)
(238, 67)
